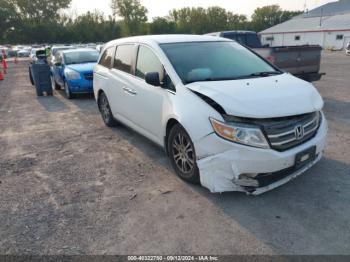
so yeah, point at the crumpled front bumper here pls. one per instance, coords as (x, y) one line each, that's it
(220, 172)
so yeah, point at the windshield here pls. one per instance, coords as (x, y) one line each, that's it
(214, 61)
(81, 57)
(56, 49)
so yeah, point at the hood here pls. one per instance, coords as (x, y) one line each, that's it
(87, 67)
(265, 97)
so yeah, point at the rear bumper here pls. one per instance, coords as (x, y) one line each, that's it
(223, 171)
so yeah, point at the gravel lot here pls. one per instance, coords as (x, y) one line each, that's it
(70, 185)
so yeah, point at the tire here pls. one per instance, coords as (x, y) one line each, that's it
(69, 94)
(105, 110)
(55, 86)
(31, 77)
(182, 154)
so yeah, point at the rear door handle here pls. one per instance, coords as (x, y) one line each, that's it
(129, 91)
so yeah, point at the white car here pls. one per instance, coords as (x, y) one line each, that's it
(226, 118)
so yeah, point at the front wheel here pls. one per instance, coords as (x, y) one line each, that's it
(182, 154)
(69, 94)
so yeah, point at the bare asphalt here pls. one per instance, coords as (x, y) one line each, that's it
(70, 185)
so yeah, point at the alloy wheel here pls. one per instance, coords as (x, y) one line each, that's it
(105, 110)
(183, 153)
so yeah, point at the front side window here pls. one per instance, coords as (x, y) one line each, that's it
(148, 62)
(215, 61)
(58, 58)
(123, 58)
(107, 57)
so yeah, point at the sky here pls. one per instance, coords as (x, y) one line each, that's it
(162, 7)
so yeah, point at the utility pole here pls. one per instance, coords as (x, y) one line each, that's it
(321, 17)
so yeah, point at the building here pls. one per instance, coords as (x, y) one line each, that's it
(327, 26)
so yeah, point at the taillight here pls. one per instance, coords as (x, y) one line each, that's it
(271, 59)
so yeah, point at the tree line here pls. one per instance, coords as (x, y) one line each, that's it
(47, 21)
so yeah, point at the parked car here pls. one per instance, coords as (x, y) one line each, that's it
(23, 53)
(33, 53)
(301, 61)
(225, 116)
(99, 47)
(347, 49)
(73, 70)
(53, 51)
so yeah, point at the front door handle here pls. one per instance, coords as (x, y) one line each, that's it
(129, 91)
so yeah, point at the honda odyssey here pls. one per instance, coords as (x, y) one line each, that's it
(225, 117)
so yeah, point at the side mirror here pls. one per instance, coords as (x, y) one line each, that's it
(152, 78)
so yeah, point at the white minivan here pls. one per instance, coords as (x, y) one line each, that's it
(226, 117)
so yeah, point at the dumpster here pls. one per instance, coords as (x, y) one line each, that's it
(39, 74)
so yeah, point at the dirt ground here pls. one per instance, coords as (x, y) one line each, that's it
(70, 185)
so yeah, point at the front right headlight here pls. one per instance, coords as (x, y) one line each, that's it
(240, 133)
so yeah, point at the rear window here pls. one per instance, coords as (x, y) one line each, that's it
(107, 57)
(249, 39)
(123, 58)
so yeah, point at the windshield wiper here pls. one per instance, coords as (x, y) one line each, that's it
(267, 73)
(257, 74)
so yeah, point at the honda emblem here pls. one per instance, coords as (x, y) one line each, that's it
(299, 132)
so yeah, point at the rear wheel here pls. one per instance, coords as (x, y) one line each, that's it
(182, 154)
(106, 111)
(55, 86)
(31, 77)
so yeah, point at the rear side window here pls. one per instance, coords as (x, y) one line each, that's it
(253, 40)
(148, 62)
(240, 38)
(107, 57)
(123, 58)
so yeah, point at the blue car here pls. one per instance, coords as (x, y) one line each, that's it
(73, 70)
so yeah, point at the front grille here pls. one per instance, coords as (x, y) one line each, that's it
(281, 132)
(293, 131)
(89, 76)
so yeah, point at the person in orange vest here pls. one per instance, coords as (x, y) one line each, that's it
(1, 75)
(3, 61)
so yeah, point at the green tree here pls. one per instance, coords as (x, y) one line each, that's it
(39, 10)
(29, 20)
(161, 25)
(237, 22)
(268, 16)
(133, 13)
(200, 21)
(217, 19)
(8, 17)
